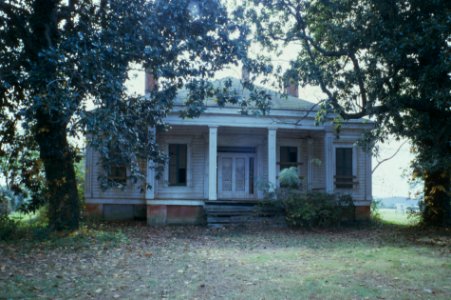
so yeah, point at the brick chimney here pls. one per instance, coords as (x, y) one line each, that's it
(151, 82)
(245, 74)
(291, 87)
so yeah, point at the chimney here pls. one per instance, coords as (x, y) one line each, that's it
(291, 87)
(151, 83)
(245, 74)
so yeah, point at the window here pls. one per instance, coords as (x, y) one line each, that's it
(178, 164)
(118, 173)
(117, 168)
(343, 168)
(251, 175)
(288, 157)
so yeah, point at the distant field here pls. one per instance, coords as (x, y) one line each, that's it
(392, 216)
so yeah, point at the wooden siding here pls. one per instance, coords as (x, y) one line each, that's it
(94, 190)
(197, 139)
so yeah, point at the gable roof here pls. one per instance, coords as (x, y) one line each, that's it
(278, 100)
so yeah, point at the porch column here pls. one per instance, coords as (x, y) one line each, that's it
(272, 167)
(212, 160)
(309, 163)
(368, 183)
(150, 174)
(328, 160)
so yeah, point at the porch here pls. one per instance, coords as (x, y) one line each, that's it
(233, 163)
(244, 161)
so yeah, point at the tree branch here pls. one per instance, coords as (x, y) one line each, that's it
(361, 84)
(14, 13)
(388, 158)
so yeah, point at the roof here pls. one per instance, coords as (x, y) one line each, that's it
(278, 100)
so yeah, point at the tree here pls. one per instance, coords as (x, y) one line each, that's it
(58, 58)
(384, 59)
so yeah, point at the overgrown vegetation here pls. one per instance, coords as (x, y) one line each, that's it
(316, 209)
(33, 228)
(309, 209)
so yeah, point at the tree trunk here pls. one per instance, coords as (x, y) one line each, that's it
(437, 202)
(64, 208)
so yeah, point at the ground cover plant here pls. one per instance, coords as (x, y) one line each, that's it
(105, 261)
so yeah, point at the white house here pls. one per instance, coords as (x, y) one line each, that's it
(224, 155)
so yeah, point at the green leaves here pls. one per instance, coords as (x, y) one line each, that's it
(386, 60)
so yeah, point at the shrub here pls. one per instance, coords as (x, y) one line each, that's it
(289, 178)
(315, 209)
(4, 206)
(376, 204)
(9, 229)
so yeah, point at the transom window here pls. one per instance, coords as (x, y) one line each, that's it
(288, 157)
(178, 164)
(343, 168)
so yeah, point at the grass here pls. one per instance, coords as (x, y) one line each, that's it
(392, 216)
(135, 261)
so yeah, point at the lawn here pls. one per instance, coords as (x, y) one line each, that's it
(135, 261)
(392, 216)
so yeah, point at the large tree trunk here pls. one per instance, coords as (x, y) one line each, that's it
(50, 129)
(437, 202)
(64, 208)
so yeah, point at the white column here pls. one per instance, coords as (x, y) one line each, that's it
(368, 177)
(150, 175)
(329, 161)
(212, 166)
(309, 163)
(272, 167)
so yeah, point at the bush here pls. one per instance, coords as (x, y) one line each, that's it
(9, 229)
(376, 204)
(315, 209)
(289, 178)
(4, 205)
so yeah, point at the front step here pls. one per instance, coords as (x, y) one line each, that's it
(240, 212)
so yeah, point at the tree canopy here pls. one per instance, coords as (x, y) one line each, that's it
(59, 58)
(383, 59)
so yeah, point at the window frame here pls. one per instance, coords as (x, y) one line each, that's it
(290, 164)
(354, 182)
(288, 143)
(185, 183)
(187, 142)
(118, 179)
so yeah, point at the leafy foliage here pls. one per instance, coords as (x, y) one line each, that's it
(387, 60)
(315, 209)
(289, 178)
(8, 228)
(62, 59)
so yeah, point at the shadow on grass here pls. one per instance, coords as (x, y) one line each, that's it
(30, 231)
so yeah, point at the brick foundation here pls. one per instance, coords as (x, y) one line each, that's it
(94, 210)
(174, 214)
(362, 213)
(116, 212)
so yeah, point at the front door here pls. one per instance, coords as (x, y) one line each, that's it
(236, 173)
